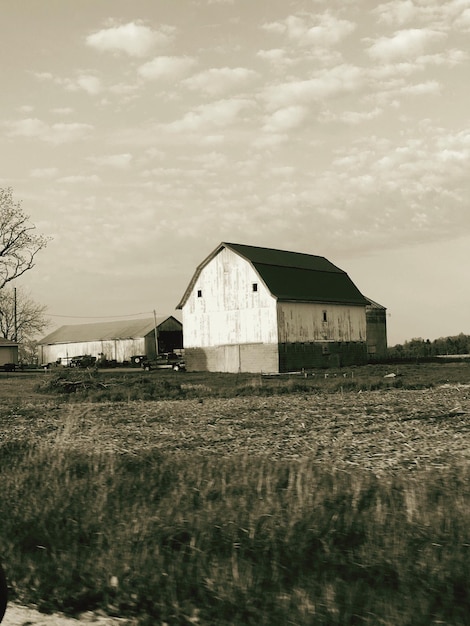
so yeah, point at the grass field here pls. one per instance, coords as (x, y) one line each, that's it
(175, 498)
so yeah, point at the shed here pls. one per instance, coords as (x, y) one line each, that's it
(253, 309)
(118, 340)
(376, 321)
(8, 352)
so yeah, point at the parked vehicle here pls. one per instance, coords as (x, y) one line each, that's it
(3, 593)
(85, 360)
(167, 360)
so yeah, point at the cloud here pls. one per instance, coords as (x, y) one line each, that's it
(93, 178)
(87, 82)
(53, 133)
(426, 88)
(351, 117)
(134, 39)
(220, 113)
(44, 172)
(166, 67)
(404, 44)
(396, 12)
(90, 84)
(217, 81)
(62, 110)
(319, 30)
(327, 83)
(118, 161)
(285, 119)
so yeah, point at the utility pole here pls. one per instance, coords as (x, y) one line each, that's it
(15, 314)
(155, 332)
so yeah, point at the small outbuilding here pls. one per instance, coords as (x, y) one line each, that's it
(376, 320)
(8, 353)
(253, 309)
(112, 341)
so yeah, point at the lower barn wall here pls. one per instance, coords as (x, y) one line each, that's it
(250, 357)
(297, 356)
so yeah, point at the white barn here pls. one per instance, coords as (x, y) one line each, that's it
(252, 309)
(114, 341)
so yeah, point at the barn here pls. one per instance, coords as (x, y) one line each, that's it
(253, 309)
(114, 341)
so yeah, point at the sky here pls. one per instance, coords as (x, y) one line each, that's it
(139, 135)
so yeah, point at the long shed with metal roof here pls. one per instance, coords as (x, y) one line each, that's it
(113, 341)
(257, 309)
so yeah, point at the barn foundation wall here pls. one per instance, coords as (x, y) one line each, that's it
(297, 356)
(250, 357)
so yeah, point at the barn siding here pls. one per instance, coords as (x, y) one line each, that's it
(228, 311)
(303, 322)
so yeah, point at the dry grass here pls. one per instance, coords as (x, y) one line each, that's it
(300, 508)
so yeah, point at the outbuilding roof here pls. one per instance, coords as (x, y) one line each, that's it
(7, 342)
(106, 331)
(292, 276)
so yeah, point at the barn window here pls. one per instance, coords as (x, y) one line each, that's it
(325, 316)
(199, 293)
(255, 286)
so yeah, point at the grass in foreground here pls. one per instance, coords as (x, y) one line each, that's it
(235, 541)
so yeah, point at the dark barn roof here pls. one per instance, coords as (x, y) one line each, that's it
(293, 276)
(107, 331)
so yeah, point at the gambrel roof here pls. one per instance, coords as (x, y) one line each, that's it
(108, 331)
(292, 276)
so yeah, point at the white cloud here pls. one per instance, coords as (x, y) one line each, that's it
(327, 83)
(118, 161)
(273, 54)
(463, 21)
(44, 172)
(428, 87)
(133, 38)
(52, 133)
(166, 67)
(396, 12)
(404, 44)
(62, 110)
(326, 30)
(87, 82)
(93, 178)
(220, 113)
(320, 30)
(351, 117)
(285, 119)
(217, 81)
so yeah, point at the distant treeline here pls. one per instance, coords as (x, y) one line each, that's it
(422, 348)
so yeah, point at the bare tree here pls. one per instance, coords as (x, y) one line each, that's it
(19, 243)
(21, 319)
